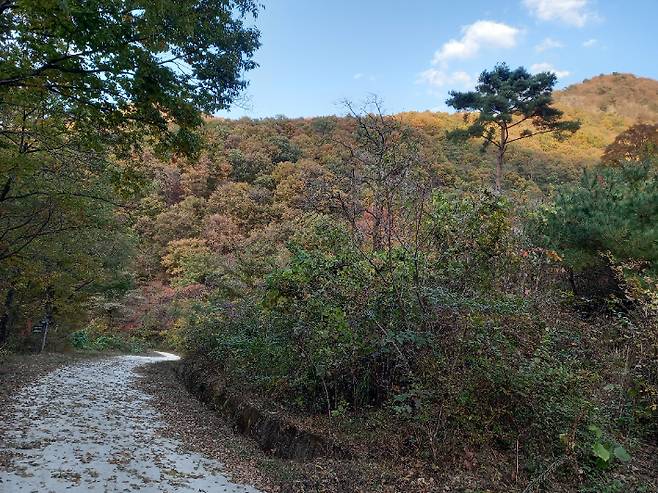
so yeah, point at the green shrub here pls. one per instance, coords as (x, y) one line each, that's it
(343, 325)
(92, 339)
(606, 228)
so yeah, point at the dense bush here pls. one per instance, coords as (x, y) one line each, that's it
(348, 321)
(93, 338)
(606, 227)
(435, 336)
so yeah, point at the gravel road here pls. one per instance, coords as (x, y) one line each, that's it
(88, 428)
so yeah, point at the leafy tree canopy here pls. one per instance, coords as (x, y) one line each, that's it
(82, 84)
(637, 143)
(111, 63)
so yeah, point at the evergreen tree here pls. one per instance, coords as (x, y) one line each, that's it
(511, 105)
(609, 219)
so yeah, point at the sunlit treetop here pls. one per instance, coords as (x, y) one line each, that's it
(637, 143)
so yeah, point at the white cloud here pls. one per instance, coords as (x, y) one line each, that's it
(590, 43)
(439, 78)
(362, 76)
(548, 44)
(547, 67)
(572, 12)
(476, 36)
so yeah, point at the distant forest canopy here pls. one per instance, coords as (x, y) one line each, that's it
(223, 218)
(244, 178)
(618, 93)
(253, 177)
(606, 106)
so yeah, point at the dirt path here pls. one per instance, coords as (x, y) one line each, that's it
(88, 428)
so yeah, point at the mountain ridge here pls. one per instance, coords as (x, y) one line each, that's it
(623, 94)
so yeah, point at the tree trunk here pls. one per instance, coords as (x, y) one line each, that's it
(5, 321)
(377, 217)
(501, 158)
(376, 232)
(572, 281)
(499, 173)
(502, 147)
(50, 294)
(45, 335)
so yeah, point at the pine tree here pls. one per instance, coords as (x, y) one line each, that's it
(511, 105)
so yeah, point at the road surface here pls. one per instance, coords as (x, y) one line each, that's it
(88, 428)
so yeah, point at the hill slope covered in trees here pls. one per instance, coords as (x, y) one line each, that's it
(351, 282)
(357, 268)
(630, 97)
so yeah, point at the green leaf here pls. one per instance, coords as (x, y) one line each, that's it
(596, 430)
(621, 454)
(599, 450)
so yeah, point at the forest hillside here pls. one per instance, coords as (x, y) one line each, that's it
(372, 301)
(357, 271)
(625, 95)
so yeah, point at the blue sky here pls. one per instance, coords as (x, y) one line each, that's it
(412, 52)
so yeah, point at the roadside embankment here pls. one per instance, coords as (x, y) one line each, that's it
(272, 432)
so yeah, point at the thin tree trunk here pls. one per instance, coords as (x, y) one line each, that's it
(49, 316)
(376, 228)
(5, 321)
(45, 335)
(572, 281)
(499, 173)
(501, 158)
